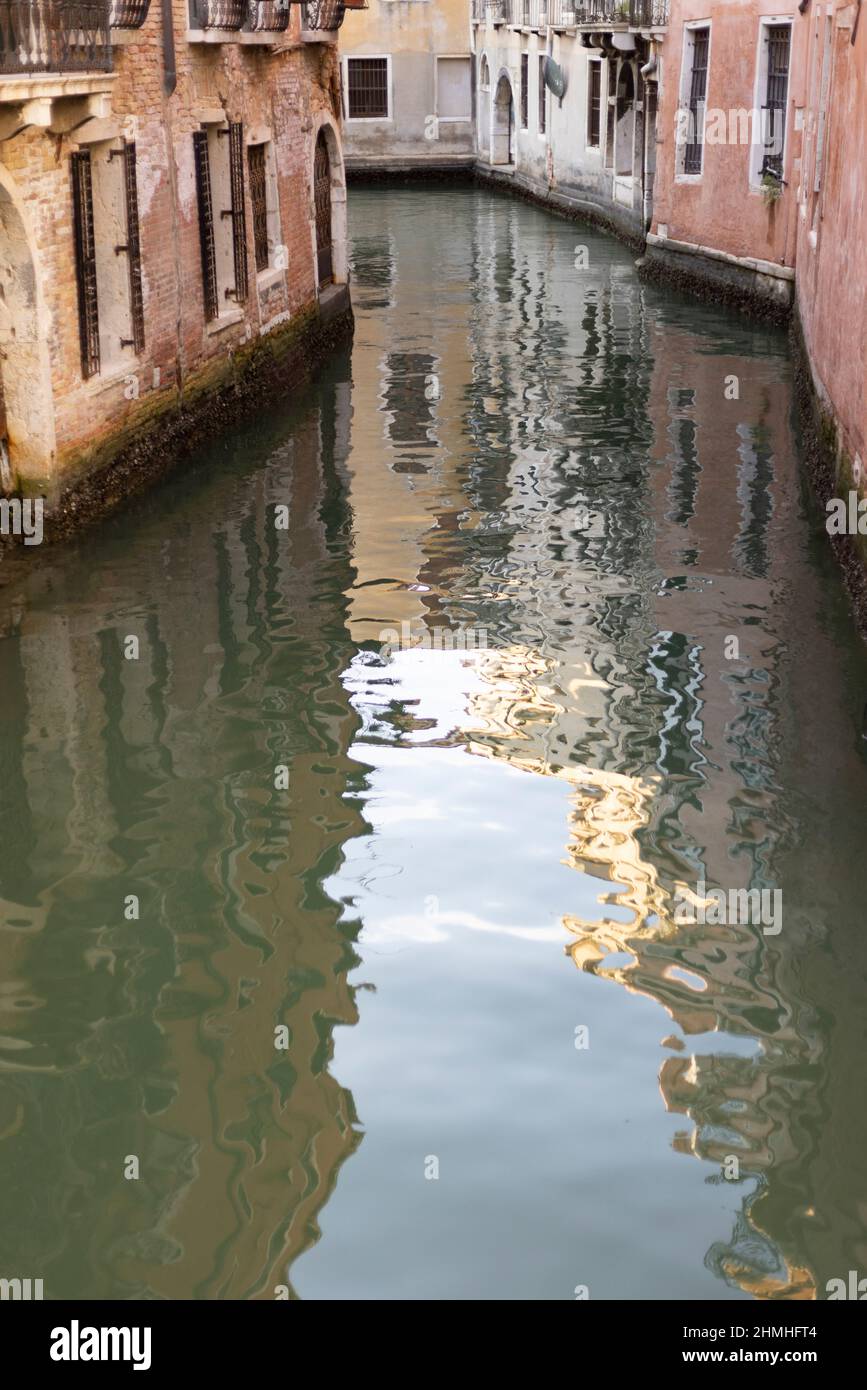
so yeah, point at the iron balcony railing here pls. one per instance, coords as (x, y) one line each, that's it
(128, 14)
(267, 16)
(648, 14)
(322, 14)
(219, 14)
(567, 14)
(54, 36)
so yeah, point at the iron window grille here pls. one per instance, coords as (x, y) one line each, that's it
(774, 111)
(694, 150)
(543, 99)
(133, 247)
(525, 86)
(594, 105)
(237, 211)
(259, 203)
(206, 224)
(85, 262)
(367, 87)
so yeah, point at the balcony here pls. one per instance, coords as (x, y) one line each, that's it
(218, 16)
(128, 14)
(648, 14)
(267, 16)
(53, 37)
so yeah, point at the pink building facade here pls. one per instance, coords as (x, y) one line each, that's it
(761, 188)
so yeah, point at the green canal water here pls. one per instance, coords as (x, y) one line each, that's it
(341, 949)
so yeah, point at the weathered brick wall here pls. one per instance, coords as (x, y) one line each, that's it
(281, 90)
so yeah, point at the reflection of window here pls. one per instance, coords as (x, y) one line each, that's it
(594, 103)
(367, 89)
(411, 389)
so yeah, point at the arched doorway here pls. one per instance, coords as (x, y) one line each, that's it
(322, 207)
(624, 143)
(484, 104)
(26, 405)
(503, 123)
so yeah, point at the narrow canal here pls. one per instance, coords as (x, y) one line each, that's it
(340, 951)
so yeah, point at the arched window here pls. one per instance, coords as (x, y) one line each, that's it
(484, 75)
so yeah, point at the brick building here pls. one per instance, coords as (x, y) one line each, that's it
(172, 217)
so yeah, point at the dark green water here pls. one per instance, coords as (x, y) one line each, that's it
(508, 1071)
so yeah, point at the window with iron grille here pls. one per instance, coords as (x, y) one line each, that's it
(778, 39)
(694, 148)
(85, 262)
(525, 90)
(594, 104)
(206, 224)
(238, 212)
(543, 96)
(367, 88)
(259, 203)
(133, 247)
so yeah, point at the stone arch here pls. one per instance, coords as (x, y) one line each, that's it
(323, 125)
(26, 399)
(502, 120)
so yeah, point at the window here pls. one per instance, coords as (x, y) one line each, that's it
(367, 89)
(525, 92)
(484, 75)
(85, 262)
(219, 160)
(594, 103)
(454, 96)
(259, 203)
(696, 70)
(611, 115)
(107, 255)
(777, 42)
(543, 95)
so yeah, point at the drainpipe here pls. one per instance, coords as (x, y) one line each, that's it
(170, 74)
(648, 71)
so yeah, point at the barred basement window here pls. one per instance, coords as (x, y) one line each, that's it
(778, 37)
(133, 247)
(694, 149)
(594, 104)
(259, 201)
(367, 88)
(543, 96)
(206, 223)
(525, 91)
(85, 262)
(238, 212)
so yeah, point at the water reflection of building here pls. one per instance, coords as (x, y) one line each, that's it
(610, 535)
(156, 1037)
